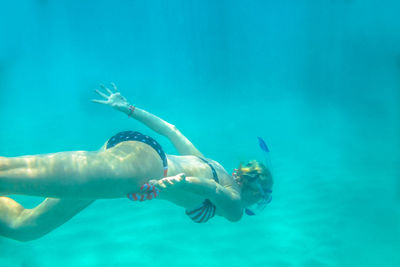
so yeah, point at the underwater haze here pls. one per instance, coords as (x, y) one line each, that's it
(318, 80)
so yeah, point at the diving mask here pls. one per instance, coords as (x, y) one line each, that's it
(265, 193)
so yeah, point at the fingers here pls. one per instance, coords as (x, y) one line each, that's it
(99, 101)
(161, 185)
(153, 188)
(104, 95)
(168, 180)
(105, 88)
(173, 179)
(108, 90)
(101, 94)
(114, 87)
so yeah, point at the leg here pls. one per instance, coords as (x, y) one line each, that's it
(32, 175)
(29, 224)
(110, 173)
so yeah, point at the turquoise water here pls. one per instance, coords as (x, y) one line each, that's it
(319, 80)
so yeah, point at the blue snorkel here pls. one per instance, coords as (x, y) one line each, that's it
(266, 194)
(265, 151)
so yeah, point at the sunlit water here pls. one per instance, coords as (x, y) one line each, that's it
(319, 81)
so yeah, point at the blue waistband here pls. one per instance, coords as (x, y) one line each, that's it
(136, 136)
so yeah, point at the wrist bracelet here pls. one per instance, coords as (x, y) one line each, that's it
(131, 110)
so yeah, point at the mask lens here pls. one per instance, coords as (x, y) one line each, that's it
(262, 203)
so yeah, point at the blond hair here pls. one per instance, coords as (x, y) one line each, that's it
(255, 170)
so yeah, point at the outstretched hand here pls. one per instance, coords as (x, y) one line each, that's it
(153, 188)
(169, 182)
(115, 99)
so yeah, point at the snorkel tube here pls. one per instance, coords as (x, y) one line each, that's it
(265, 151)
(266, 194)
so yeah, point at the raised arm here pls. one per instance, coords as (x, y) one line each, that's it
(117, 101)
